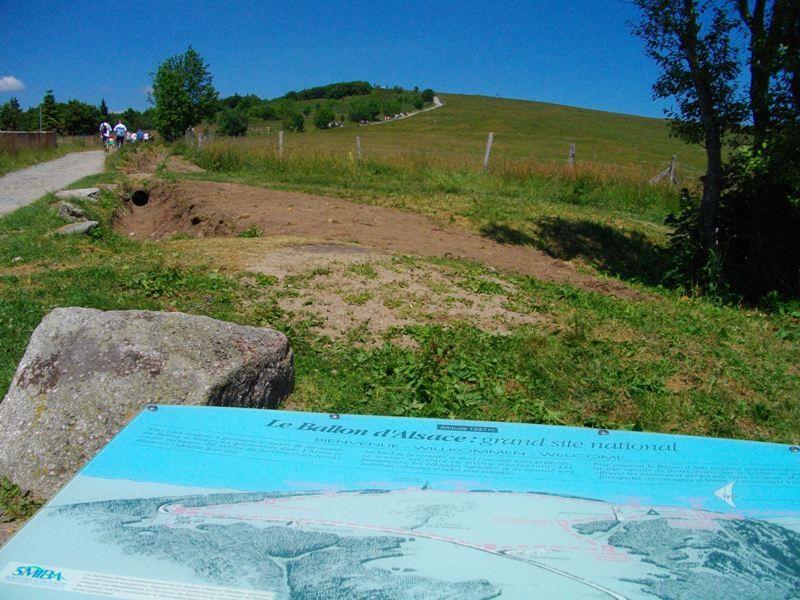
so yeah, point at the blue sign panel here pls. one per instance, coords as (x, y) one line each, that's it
(200, 503)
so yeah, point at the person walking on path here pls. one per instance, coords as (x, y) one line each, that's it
(119, 132)
(105, 133)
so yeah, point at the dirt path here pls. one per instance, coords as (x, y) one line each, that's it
(436, 104)
(26, 185)
(208, 209)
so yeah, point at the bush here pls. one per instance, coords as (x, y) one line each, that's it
(323, 117)
(364, 109)
(427, 95)
(294, 121)
(265, 111)
(233, 122)
(757, 255)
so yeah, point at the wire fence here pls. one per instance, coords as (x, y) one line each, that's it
(487, 155)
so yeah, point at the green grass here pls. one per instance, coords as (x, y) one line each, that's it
(524, 131)
(13, 161)
(667, 363)
(603, 212)
(15, 503)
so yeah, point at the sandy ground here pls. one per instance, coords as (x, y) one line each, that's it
(209, 209)
(26, 185)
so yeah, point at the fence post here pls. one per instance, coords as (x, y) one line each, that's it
(488, 151)
(358, 148)
(672, 167)
(571, 159)
(280, 144)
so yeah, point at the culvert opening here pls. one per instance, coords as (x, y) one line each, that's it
(140, 197)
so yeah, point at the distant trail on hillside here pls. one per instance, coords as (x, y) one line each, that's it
(22, 187)
(436, 104)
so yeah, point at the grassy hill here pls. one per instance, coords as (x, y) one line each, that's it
(524, 131)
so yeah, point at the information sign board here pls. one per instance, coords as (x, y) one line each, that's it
(200, 503)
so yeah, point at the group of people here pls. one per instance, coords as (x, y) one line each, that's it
(115, 137)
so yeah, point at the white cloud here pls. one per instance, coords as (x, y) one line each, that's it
(9, 83)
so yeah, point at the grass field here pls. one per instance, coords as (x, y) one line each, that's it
(665, 363)
(460, 340)
(524, 132)
(13, 161)
(603, 212)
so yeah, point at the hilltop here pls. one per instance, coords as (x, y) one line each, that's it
(524, 131)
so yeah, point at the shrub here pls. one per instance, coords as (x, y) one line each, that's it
(233, 122)
(364, 109)
(427, 95)
(323, 117)
(294, 121)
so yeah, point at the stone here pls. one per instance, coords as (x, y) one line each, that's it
(70, 212)
(79, 227)
(87, 372)
(89, 194)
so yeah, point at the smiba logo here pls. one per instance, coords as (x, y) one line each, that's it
(40, 573)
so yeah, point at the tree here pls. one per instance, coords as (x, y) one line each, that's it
(11, 116)
(427, 95)
(103, 109)
(79, 118)
(294, 121)
(763, 25)
(741, 241)
(50, 114)
(233, 122)
(364, 109)
(183, 94)
(323, 117)
(691, 44)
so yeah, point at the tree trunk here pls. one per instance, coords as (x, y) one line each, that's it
(712, 190)
(712, 182)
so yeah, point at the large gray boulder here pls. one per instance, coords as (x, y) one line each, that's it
(86, 373)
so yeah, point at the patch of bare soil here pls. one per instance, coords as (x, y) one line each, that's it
(209, 209)
(370, 298)
(178, 164)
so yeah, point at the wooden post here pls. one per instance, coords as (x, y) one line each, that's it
(571, 159)
(672, 165)
(280, 144)
(488, 151)
(358, 148)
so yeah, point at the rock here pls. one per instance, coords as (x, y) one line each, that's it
(70, 212)
(86, 373)
(79, 227)
(90, 194)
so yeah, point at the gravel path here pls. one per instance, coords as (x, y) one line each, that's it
(23, 187)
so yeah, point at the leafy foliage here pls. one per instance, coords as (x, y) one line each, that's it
(294, 121)
(742, 237)
(332, 91)
(11, 116)
(183, 94)
(324, 116)
(233, 122)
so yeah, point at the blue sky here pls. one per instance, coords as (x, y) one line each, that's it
(577, 52)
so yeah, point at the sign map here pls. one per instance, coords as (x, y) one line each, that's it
(201, 503)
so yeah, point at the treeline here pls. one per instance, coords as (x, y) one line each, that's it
(72, 117)
(332, 91)
(357, 101)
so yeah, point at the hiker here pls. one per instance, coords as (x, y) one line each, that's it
(119, 132)
(105, 133)
(139, 135)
